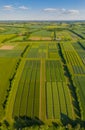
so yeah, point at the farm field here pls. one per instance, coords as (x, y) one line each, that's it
(42, 75)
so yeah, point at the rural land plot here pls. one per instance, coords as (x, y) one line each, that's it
(27, 90)
(7, 69)
(57, 103)
(73, 60)
(79, 81)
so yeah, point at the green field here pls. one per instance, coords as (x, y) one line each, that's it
(42, 76)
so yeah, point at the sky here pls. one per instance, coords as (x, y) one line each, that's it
(42, 9)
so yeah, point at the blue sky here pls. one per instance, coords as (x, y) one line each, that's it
(42, 9)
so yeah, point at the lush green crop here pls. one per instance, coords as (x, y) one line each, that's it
(79, 82)
(57, 91)
(73, 59)
(42, 74)
(28, 91)
(7, 69)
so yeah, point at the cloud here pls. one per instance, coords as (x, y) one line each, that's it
(7, 7)
(23, 7)
(61, 11)
(70, 11)
(50, 10)
(73, 12)
(10, 7)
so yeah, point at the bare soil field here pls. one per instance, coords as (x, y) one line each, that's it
(6, 47)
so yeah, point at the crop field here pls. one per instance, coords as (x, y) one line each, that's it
(42, 75)
(27, 96)
(12, 50)
(80, 83)
(80, 48)
(56, 91)
(66, 35)
(75, 63)
(41, 35)
(9, 66)
(80, 32)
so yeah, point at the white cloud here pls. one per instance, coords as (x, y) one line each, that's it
(7, 7)
(23, 7)
(73, 12)
(10, 7)
(50, 10)
(62, 11)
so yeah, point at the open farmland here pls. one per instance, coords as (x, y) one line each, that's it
(56, 92)
(28, 91)
(42, 76)
(7, 69)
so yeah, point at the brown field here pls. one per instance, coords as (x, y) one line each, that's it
(6, 47)
(39, 38)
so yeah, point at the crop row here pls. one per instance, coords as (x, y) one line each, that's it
(80, 83)
(79, 47)
(27, 97)
(73, 60)
(58, 100)
(53, 51)
(54, 71)
(36, 53)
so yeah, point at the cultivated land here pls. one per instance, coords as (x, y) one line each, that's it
(42, 76)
